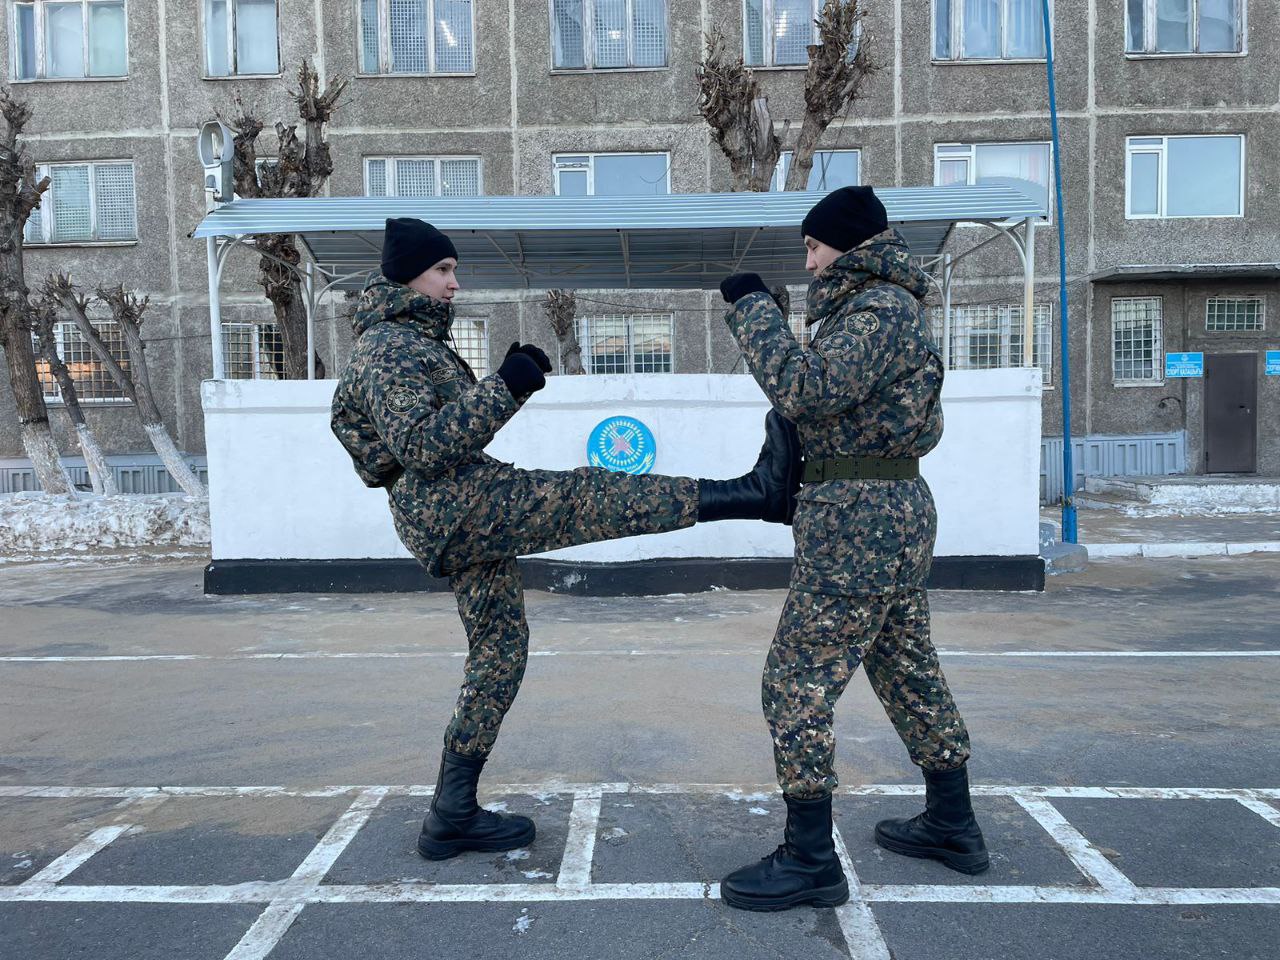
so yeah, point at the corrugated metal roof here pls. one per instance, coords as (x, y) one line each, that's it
(666, 242)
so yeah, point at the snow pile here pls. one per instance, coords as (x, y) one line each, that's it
(36, 522)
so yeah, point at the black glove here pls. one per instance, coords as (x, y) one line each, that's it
(540, 358)
(736, 286)
(520, 373)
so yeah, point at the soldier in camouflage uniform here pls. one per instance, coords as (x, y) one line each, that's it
(415, 421)
(865, 396)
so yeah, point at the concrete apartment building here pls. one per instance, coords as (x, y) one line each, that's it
(1170, 126)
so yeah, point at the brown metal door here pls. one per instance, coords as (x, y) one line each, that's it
(1231, 413)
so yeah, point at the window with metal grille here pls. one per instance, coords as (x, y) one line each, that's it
(627, 343)
(991, 336)
(252, 351)
(471, 336)
(611, 174)
(1233, 313)
(1189, 176)
(85, 203)
(778, 33)
(1137, 335)
(69, 39)
(422, 177)
(1184, 26)
(93, 382)
(988, 30)
(608, 34)
(831, 170)
(802, 331)
(241, 38)
(417, 36)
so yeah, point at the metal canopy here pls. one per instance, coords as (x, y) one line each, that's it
(1192, 271)
(674, 241)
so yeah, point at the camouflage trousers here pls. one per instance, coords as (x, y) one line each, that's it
(820, 641)
(529, 511)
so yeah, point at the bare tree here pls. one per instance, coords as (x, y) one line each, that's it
(561, 307)
(300, 169)
(19, 195)
(44, 314)
(135, 383)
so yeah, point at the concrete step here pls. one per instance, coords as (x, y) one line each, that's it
(1191, 495)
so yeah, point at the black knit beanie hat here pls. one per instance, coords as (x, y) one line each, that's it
(846, 218)
(410, 247)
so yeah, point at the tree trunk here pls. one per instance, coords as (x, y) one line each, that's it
(100, 475)
(284, 290)
(173, 460)
(37, 441)
(561, 307)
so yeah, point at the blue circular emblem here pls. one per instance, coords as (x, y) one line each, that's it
(623, 444)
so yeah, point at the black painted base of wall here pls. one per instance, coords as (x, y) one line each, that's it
(636, 579)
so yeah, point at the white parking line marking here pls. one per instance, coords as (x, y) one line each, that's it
(580, 845)
(1088, 860)
(76, 857)
(857, 922)
(1262, 809)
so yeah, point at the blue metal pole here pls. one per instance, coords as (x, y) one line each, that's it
(1069, 533)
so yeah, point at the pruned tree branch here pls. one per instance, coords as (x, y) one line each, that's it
(732, 103)
(561, 307)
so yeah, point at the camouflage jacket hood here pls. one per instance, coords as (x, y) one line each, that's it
(384, 301)
(884, 257)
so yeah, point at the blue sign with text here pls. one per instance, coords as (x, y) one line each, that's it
(1184, 364)
(622, 444)
(1273, 363)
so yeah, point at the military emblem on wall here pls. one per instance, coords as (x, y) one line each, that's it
(622, 444)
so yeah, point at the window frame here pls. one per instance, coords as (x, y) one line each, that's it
(231, 45)
(589, 40)
(1010, 327)
(956, 34)
(778, 183)
(557, 167)
(1162, 187)
(49, 201)
(384, 43)
(484, 345)
(582, 329)
(49, 387)
(1149, 34)
(41, 53)
(436, 158)
(971, 158)
(766, 15)
(1260, 300)
(1158, 352)
(255, 345)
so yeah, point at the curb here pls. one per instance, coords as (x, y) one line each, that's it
(1099, 551)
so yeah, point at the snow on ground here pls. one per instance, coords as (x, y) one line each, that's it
(34, 522)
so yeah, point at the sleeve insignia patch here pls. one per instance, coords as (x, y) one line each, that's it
(864, 324)
(401, 400)
(443, 375)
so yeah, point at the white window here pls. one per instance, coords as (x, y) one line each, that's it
(627, 343)
(93, 383)
(1137, 341)
(471, 337)
(831, 170)
(1184, 177)
(612, 174)
(68, 39)
(608, 34)
(991, 336)
(1184, 26)
(977, 162)
(240, 38)
(252, 351)
(417, 36)
(988, 30)
(422, 177)
(1226, 314)
(85, 203)
(803, 332)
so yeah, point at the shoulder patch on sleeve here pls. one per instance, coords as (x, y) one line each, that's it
(401, 399)
(443, 374)
(862, 324)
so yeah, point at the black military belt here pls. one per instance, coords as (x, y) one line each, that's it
(859, 468)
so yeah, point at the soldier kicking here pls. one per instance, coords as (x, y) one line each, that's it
(416, 421)
(865, 397)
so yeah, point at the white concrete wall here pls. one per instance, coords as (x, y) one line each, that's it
(281, 487)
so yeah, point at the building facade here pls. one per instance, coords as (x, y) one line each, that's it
(1170, 127)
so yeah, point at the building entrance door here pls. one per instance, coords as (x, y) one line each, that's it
(1231, 413)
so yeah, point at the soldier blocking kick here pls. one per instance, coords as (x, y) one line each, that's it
(865, 398)
(415, 421)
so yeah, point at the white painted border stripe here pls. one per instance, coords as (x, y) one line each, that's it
(1263, 809)
(77, 856)
(267, 931)
(580, 845)
(857, 922)
(1143, 896)
(1083, 854)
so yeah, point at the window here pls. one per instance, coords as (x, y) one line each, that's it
(627, 343)
(1137, 341)
(802, 331)
(240, 38)
(977, 162)
(93, 382)
(991, 336)
(777, 33)
(1184, 177)
(988, 30)
(417, 36)
(69, 39)
(1226, 314)
(608, 34)
(471, 337)
(1184, 26)
(252, 351)
(422, 177)
(831, 170)
(612, 174)
(85, 203)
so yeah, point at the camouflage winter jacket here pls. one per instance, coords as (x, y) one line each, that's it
(415, 419)
(868, 384)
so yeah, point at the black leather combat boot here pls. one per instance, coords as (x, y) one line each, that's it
(457, 823)
(804, 869)
(946, 831)
(768, 492)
